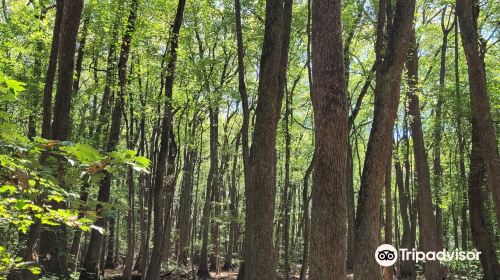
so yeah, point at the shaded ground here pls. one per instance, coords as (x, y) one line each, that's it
(116, 274)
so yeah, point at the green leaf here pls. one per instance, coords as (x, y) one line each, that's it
(8, 188)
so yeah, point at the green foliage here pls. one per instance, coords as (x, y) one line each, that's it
(32, 188)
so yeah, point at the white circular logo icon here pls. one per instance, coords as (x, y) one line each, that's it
(386, 255)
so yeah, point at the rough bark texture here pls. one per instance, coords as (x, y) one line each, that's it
(329, 96)
(387, 95)
(480, 104)
(51, 72)
(483, 240)
(426, 217)
(52, 254)
(260, 258)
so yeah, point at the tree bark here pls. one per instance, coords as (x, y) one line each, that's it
(51, 71)
(480, 104)
(329, 98)
(427, 224)
(156, 254)
(483, 241)
(90, 266)
(211, 193)
(388, 227)
(260, 258)
(52, 240)
(186, 194)
(387, 93)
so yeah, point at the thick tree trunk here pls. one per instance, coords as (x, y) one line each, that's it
(483, 241)
(51, 71)
(426, 217)
(329, 98)
(260, 258)
(53, 240)
(480, 104)
(387, 93)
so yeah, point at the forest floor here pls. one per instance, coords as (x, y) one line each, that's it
(116, 274)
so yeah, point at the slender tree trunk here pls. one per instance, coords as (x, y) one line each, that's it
(246, 112)
(405, 271)
(286, 221)
(90, 266)
(388, 227)
(212, 193)
(427, 220)
(156, 254)
(232, 246)
(186, 199)
(387, 93)
(480, 104)
(307, 223)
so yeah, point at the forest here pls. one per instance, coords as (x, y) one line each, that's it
(249, 139)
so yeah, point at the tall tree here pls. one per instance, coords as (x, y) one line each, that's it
(467, 11)
(329, 98)
(90, 266)
(260, 193)
(387, 94)
(483, 241)
(53, 258)
(426, 218)
(158, 240)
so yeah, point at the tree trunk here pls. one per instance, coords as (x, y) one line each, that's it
(211, 193)
(307, 223)
(186, 199)
(156, 254)
(426, 217)
(405, 271)
(90, 265)
(232, 246)
(246, 112)
(51, 71)
(388, 236)
(483, 241)
(329, 98)
(287, 202)
(387, 93)
(260, 258)
(53, 240)
(480, 104)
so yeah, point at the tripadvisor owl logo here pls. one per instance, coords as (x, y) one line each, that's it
(386, 255)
